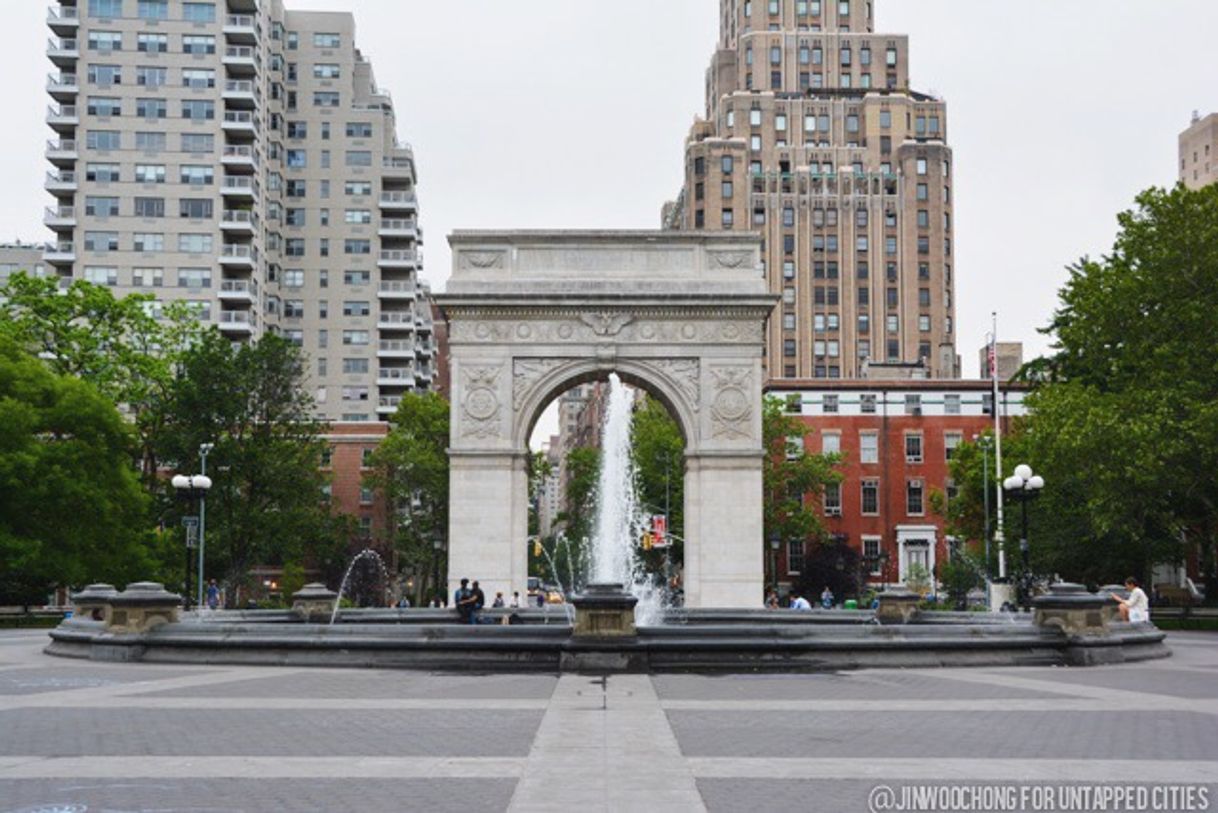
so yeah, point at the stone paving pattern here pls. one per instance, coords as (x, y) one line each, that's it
(84, 736)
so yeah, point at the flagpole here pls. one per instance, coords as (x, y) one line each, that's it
(999, 538)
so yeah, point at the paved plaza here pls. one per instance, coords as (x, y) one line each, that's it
(84, 736)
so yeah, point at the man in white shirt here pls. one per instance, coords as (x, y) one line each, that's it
(798, 602)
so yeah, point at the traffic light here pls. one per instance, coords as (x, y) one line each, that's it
(537, 547)
(647, 541)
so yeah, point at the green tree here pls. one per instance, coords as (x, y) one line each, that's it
(114, 344)
(583, 470)
(71, 507)
(658, 449)
(266, 505)
(793, 480)
(410, 469)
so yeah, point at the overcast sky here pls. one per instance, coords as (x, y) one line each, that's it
(572, 113)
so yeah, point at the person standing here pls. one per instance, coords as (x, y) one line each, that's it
(1135, 609)
(498, 602)
(826, 598)
(213, 595)
(463, 600)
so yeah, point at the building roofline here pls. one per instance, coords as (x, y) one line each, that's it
(881, 385)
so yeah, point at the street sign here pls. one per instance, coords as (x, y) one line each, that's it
(191, 524)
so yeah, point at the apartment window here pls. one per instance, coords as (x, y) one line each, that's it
(325, 98)
(951, 441)
(198, 143)
(755, 117)
(359, 158)
(194, 278)
(298, 129)
(103, 140)
(788, 321)
(358, 189)
(867, 403)
(357, 246)
(795, 556)
(357, 277)
(830, 404)
(153, 9)
(150, 141)
(195, 243)
(924, 324)
(150, 173)
(890, 246)
(152, 43)
(951, 404)
(297, 159)
(356, 308)
(197, 174)
(864, 296)
(871, 554)
(147, 277)
(869, 447)
(833, 500)
(913, 404)
(101, 241)
(327, 40)
(788, 348)
(293, 278)
(151, 108)
(296, 189)
(326, 70)
(727, 218)
(150, 207)
(359, 129)
(294, 217)
(355, 366)
(150, 76)
(358, 216)
(105, 75)
(293, 308)
(294, 247)
(195, 208)
(105, 173)
(890, 57)
(355, 337)
(148, 242)
(198, 109)
(788, 269)
(105, 41)
(831, 443)
(198, 44)
(924, 297)
(199, 12)
(198, 78)
(921, 166)
(295, 337)
(913, 448)
(913, 498)
(923, 192)
(101, 275)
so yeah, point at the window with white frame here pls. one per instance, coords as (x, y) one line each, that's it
(869, 447)
(795, 556)
(831, 442)
(913, 447)
(833, 500)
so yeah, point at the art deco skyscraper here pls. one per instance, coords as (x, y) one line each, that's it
(814, 138)
(241, 157)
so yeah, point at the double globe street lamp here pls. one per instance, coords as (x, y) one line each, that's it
(191, 488)
(1024, 486)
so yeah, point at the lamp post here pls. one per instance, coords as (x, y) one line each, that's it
(1024, 486)
(775, 541)
(204, 451)
(192, 487)
(438, 551)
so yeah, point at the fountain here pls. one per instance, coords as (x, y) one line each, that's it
(618, 519)
(366, 553)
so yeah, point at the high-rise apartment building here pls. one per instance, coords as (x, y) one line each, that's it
(241, 157)
(813, 137)
(1199, 152)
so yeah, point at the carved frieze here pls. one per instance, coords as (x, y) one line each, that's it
(483, 259)
(732, 406)
(685, 374)
(526, 373)
(596, 327)
(480, 402)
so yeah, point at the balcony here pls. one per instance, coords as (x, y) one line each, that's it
(59, 183)
(238, 322)
(388, 404)
(60, 254)
(239, 188)
(396, 320)
(239, 290)
(60, 218)
(240, 93)
(395, 377)
(241, 28)
(63, 20)
(63, 52)
(240, 122)
(395, 349)
(239, 221)
(238, 256)
(399, 200)
(399, 227)
(423, 323)
(398, 290)
(398, 258)
(238, 157)
(62, 152)
(240, 59)
(63, 86)
(398, 168)
(63, 118)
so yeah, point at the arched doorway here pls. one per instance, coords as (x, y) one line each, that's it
(679, 315)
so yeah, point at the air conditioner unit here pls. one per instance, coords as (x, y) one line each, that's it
(916, 411)
(833, 512)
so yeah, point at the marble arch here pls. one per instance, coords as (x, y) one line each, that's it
(680, 314)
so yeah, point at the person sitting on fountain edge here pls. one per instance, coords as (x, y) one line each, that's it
(1135, 609)
(463, 600)
(798, 602)
(479, 601)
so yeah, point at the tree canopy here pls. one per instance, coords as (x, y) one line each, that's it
(793, 480)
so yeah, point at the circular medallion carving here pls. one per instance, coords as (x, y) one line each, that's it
(565, 331)
(731, 332)
(523, 331)
(481, 403)
(731, 404)
(689, 332)
(647, 332)
(482, 331)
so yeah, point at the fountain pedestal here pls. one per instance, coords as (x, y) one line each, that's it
(142, 607)
(897, 606)
(94, 602)
(604, 611)
(314, 603)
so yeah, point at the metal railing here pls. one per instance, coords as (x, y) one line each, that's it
(399, 256)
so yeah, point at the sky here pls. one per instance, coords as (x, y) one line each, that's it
(573, 113)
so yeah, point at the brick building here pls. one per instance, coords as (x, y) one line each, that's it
(897, 439)
(346, 462)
